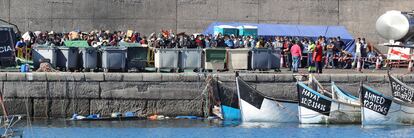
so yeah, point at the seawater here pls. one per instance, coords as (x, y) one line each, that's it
(60, 128)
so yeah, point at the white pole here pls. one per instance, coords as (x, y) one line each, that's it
(358, 64)
(377, 64)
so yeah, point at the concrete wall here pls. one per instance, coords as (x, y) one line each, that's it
(62, 94)
(359, 16)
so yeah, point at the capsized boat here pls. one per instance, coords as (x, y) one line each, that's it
(316, 108)
(226, 104)
(256, 107)
(229, 105)
(379, 109)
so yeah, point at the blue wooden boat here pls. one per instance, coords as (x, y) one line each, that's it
(226, 98)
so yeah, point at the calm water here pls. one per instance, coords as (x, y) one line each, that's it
(203, 129)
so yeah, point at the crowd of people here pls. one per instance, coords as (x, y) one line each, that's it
(313, 54)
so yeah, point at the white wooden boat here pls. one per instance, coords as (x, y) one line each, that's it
(343, 96)
(256, 107)
(379, 109)
(316, 108)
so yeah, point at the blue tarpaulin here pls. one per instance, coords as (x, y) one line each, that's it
(310, 31)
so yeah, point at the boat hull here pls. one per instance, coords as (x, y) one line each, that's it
(271, 111)
(230, 113)
(397, 115)
(315, 108)
(256, 107)
(339, 114)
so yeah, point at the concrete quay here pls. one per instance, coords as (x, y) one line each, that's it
(171, 94)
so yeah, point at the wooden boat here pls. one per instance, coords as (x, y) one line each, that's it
(229, 105)
(256, 107)
(316, 108)
(379, 109)
(225, 99)
(113, 117)
(341, 95)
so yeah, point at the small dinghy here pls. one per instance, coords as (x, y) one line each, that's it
(379, 109)
(113, 117)
(256, 107)
(316, 108)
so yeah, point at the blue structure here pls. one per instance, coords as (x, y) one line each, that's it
(310, 31)
(230, 113)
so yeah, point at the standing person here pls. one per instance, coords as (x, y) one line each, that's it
(20, 47)
(317, 57)
(220, 41)
(311, 64)
(260, 43)
(252, 42)
(341, 43)
(296, 52)
(364, 53)
(200, 41)
(358, 46)
(287, 45)
(364, 47)
(237, 42)
(329, 56)
(229, 42)
(207, 42)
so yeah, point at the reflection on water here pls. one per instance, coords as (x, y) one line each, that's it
(204, 129)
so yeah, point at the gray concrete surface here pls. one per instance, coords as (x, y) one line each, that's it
(359, 16)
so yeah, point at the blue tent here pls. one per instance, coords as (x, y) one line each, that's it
(310, 31)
